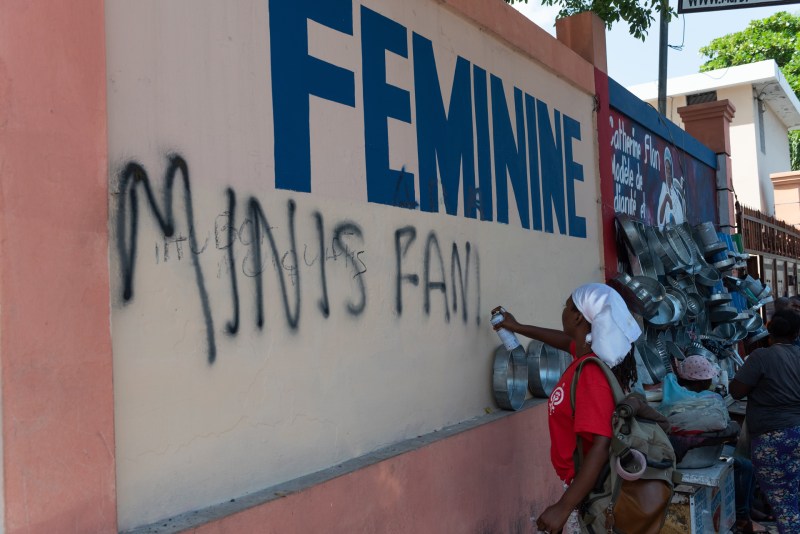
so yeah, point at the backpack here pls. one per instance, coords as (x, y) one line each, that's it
(637, 503)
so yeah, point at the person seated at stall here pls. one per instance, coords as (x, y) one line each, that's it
(698, 417)
(696, 373)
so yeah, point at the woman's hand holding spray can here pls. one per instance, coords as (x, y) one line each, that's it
(508, 338)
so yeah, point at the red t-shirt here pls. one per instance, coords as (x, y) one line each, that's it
(594, 406)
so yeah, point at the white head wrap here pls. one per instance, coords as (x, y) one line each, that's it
(613, 326)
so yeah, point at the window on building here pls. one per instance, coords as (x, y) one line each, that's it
(701, 98)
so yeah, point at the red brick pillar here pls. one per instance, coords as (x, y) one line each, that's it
(710, 124)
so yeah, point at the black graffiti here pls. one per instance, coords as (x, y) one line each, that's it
(433, 243)
(324, 304)
(232, 326)
(257, 215)
(339, 234)
(403, 240)
(409, 234)
(258, 237)
(463, 282)
(132, 177)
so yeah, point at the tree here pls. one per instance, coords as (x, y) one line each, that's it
(638, 14)
(775, 38)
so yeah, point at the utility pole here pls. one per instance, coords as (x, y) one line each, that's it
(663, 40)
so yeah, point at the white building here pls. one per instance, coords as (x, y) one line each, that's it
(766, 109)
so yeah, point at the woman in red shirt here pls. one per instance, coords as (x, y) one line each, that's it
(597, 322)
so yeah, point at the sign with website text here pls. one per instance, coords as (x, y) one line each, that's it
(696, 6)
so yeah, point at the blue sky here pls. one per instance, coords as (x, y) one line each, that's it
(631, 61)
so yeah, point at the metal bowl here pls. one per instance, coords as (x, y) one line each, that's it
(684, 252)
(510, 377)
(682, 303)
(707, 276)
(652, 361)
(669, 312)
(754, 322)
(694, 304)
(663, 249)
(545, 367)
(620, 284)
(724, 331)
(630, 232)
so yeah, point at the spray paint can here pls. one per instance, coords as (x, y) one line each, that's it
(508, 338)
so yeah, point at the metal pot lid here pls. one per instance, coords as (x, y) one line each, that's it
(546, 364)
(718, 299)
(721, 314)
(510, 377)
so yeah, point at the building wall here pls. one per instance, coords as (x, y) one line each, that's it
(375, 280)
(748, 160)
(55, 346)
(745, 157)
(775, 158)
(787, 196)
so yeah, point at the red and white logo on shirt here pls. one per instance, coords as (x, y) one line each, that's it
(556, 397)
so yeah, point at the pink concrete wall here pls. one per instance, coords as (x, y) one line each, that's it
(57, 399)
(490, 479)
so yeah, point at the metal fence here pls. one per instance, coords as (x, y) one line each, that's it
(762, 234)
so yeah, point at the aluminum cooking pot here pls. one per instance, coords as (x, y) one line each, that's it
(545, 366)
(510, 377)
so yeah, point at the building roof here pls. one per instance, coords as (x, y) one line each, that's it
(765, 77)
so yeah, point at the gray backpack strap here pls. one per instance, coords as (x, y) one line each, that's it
(616, 390)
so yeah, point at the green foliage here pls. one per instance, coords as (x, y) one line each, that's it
(774, 37)
(639, 14)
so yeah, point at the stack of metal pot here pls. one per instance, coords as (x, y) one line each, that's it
(681, 283)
